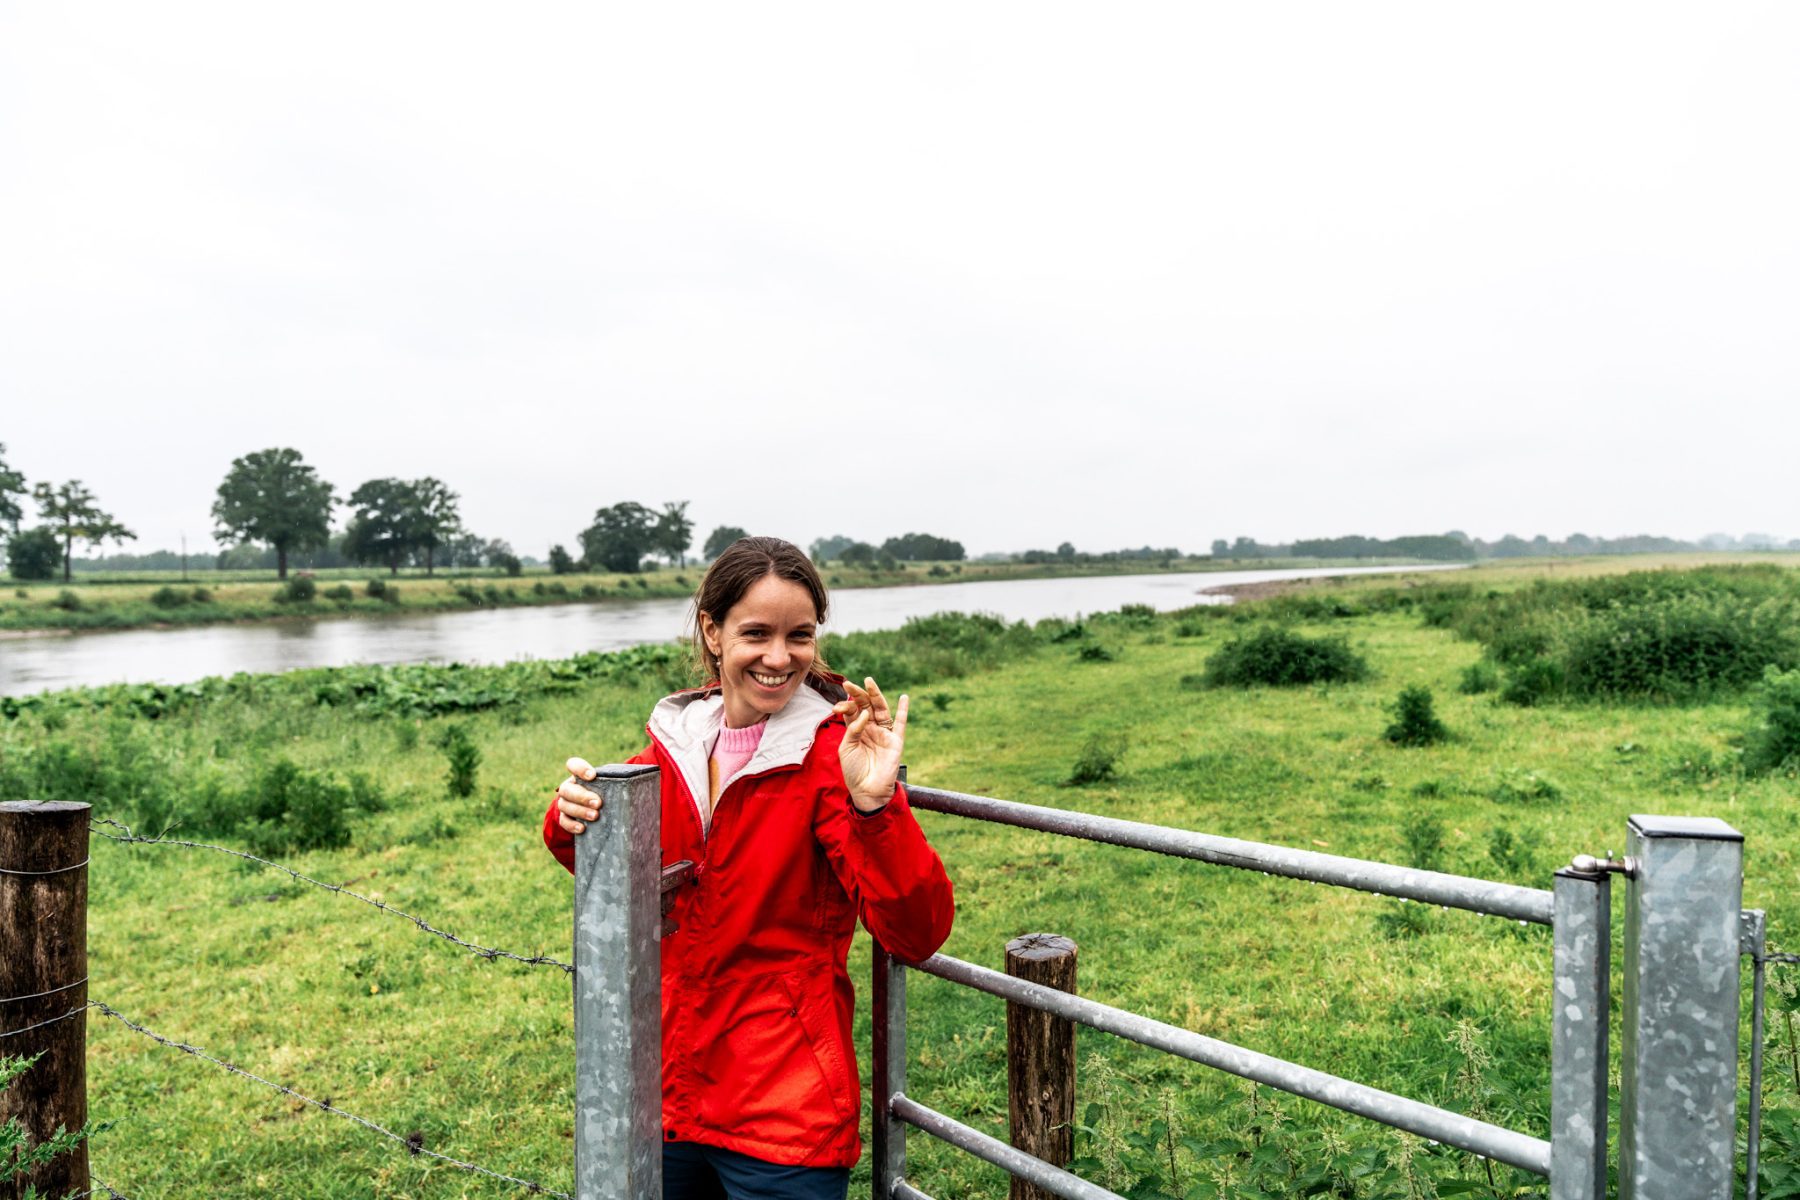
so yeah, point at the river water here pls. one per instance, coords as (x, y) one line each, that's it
(502, 635)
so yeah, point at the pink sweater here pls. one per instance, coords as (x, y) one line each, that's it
(733, 749)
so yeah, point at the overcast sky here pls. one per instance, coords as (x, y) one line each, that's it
(1011, 273)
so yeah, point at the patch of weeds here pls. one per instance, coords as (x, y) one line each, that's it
(168, 597)
(406, 736)
(68, 601)
(1370, 783)
(1430, 789)
(1533, 682)
(1773, 744)
(940, 701)
(1479, 678)
(1509, 853)
(1424, 835)
(463, 757)
(1516, 786)
(1404, 920)
(1098, 761)
(1415, 724)
(1094, 652)
(340, 594)
(1278, 658)
(1192, 683)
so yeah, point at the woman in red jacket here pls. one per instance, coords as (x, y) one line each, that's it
(780, 782)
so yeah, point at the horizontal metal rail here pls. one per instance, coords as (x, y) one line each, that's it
(1384, 879)
(1054, 1180)
(1453, 1129)
(906, 1191)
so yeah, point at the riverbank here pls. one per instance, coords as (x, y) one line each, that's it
(146, 601)
(310, 988)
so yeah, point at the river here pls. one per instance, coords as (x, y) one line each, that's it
(502, 635)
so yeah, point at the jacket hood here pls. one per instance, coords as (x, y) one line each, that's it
(687, 724)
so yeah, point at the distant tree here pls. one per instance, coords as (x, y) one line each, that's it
(922, 547)
(674, 532)
(463, 549)
(273, 496)
(384, 523)
(434, 516)
(828, 548)
(620, 537)
(499, 555)
(720, 539)
(33, 554)
(1245, 547)
(1066, 551)
(858, 554)
(1221, 548)
(70, 509)
(12, 483)
(561, 563)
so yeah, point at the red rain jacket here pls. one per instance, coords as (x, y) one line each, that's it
(756, 1002)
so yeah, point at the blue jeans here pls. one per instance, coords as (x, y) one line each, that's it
(695, 1172)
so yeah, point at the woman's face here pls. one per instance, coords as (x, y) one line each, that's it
(765, 645)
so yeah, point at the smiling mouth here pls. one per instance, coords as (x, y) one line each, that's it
(771, 681)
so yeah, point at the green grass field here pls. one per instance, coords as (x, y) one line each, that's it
(337, 1000)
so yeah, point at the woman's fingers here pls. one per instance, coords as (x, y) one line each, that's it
(576, 801)
(878, 703)
(580, 768)
(900, 720)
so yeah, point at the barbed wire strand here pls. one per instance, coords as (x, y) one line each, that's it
(100, 1185)
(65, 987)
(73, 1012)
(414, 1144)
(59, 871)
(487, 952)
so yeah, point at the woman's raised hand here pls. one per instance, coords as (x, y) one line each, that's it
(575, 804)
(873, 744)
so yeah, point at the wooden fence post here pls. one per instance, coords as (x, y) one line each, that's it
(1040, 1058)
(43, 975)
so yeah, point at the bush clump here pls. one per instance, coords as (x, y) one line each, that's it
(1276, 657)
(936, 647)
(298, 590)
(1774, 744)
(168, 597)
(463, 757)
(1415, 723)
(1098, 761)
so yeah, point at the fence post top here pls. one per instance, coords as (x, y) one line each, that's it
(622, 771)
(1704, 828)
(1039, 946)
(32, 807)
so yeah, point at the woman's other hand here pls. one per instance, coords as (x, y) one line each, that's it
(576, 805)
(873, 745)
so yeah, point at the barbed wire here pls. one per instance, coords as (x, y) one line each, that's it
(73, 1012)
(486, 952)
(100, 1185)
(414, 1142)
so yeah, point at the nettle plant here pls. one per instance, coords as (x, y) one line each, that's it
(19, 1155)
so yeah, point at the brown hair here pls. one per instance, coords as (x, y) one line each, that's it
(742, 564)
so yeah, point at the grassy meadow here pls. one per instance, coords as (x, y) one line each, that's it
(345, 775)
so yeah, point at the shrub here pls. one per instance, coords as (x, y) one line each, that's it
(1278, 658)
(298, 590)
(1684, 649)
(1415, 724)
(1098, 761)
(284, 807)
(1533, 682)
(590, 591)
(340, 594)
(391, 594)
(1774, 744)
(376, 588)
(168, 597)
(202, 596)
(464, 758)
(1093, 652)
(1478, 678)
(34, 554)
(68, 601)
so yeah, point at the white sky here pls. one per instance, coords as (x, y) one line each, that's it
(1010, 273)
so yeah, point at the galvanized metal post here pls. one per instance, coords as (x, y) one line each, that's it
(1580, 966)
(887, 1070)
(618, 991)
(1678, 1096)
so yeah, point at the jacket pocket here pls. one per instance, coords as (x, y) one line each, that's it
(760, 1077)
(813, 1009)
